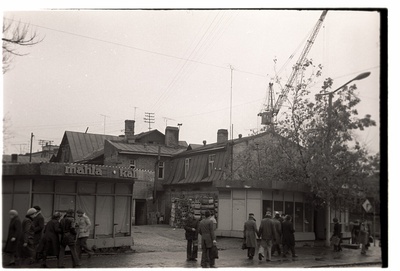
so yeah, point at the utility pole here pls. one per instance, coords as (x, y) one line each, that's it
(30, 152)
(105, 116)
(149, 118)
(230, 104)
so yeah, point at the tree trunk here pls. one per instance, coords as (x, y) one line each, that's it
(328, 224)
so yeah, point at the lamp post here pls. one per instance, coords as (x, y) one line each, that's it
(330, 97)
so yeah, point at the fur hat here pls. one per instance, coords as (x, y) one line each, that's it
(13, 212)
(79, 211)
(268, 214)
(31, 211)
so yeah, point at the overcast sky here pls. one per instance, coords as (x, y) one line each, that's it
(176, 64)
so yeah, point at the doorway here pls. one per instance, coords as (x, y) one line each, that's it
(140, 212)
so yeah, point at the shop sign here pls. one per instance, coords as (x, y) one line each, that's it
(84, 170)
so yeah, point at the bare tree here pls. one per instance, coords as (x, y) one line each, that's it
(15, 36)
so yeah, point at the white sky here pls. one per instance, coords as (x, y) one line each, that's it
(94, 63)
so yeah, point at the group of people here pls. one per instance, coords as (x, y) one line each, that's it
(360, 235)
(206, 228)
(276, 234)
(33, 241)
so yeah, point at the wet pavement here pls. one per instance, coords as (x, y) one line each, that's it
(163, 246)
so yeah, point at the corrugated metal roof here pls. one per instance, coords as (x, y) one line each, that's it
(84, 144)
(145, 149)
(198, 170)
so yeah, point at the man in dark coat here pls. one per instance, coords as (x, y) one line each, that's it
(68, 238)
(26, 246)
(249, 233)
(14, 233)
(337, 233)
(38, 227)
(268, 235)
(278, 228)
(288, 241)
(51, 238)
(191, 234)
(206, 230)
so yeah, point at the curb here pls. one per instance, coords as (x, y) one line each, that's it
(347, 264)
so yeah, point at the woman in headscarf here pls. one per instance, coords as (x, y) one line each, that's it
(26, 243)
(51, 238)
(14, 233)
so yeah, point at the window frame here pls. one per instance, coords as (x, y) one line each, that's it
(132, 165)
(161, 168)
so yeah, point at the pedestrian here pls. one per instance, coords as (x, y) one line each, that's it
(38, 227)
(84, 224)
(14, 233)
(288, 240)
(336, 236)
(355, 231)
(276, 246)
(68, 238)
(250, 233)
(213, 219)
(268, 235)
(51, 238)
(206, 230)
(26, 246)
(364, 237)
(191, 235)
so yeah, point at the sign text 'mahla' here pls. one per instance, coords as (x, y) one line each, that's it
(97, 171)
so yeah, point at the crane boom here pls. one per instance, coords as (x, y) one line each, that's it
(267, 116)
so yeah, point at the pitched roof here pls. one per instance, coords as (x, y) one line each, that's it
(84, 144)
(144, 149)
(194, 146)
(143, 134)
(25, 159)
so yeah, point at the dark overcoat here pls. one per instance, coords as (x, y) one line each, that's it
(68, 231)
(189, 233)
(278, 231)
(14, 231)
(287, 233)
(51, 238)
(249, 233)
(206, 230)
(267, 230)
(27, 236)
(38, 226)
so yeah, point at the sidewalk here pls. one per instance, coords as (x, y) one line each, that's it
(163, 246)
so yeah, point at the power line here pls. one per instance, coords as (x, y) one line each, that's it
(134, 47)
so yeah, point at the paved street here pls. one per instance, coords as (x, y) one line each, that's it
(163, 246)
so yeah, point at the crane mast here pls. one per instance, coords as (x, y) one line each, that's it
(272, 111)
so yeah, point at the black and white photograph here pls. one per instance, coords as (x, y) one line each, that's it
(195, 137)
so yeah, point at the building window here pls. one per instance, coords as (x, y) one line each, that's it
(132, 163)
(187, 166)
(160, 170)
(211, 159)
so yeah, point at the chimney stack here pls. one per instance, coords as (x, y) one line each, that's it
(222, 136)
(14, 158)
(171, 136)
(129, 131)
(204, 142)
(240, 135)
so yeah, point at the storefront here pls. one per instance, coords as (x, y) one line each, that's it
(104, 193)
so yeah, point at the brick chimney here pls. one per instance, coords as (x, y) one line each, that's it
(222, 136)
(14, 158)
(129, 130)
(171, 136)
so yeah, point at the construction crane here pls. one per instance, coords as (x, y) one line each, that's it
(271, 109)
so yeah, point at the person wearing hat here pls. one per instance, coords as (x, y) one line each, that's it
(51, 238)
(38, 226)
(288, 240)
(337, 236)
(68, 238)
(14, 232)
(208, 240)
(250, 233)
(268, 235)
(26, 242)
(191, 235)
(84, 224)
(278, 228)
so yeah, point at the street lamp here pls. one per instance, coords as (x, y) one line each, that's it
(328, 207)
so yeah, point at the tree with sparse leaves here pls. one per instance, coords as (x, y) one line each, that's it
(15, 36)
